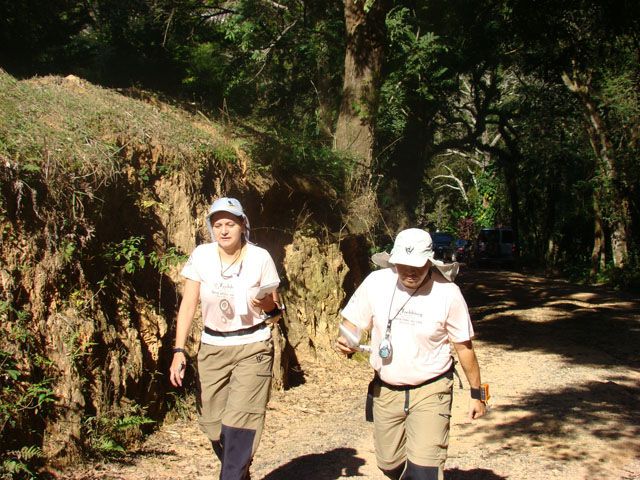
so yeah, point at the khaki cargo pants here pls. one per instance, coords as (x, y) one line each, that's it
(234, 387)
(412, 426)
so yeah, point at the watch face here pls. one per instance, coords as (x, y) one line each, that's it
(385, 349)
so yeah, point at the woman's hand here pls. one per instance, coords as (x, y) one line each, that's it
(266, 303)
(178, 369)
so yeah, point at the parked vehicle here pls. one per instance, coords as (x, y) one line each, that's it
(443, 245)
(461, 250)
(496, 245)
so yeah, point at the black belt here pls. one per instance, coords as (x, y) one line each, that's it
(448, 373)
(403, 388)
(242, 331)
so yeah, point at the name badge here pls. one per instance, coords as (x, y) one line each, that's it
(240, 296)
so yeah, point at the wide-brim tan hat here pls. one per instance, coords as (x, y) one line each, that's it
(414, 247)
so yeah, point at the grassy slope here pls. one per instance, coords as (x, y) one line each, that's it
(73, 127)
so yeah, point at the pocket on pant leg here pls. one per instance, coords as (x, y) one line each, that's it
(428, 424)
(250, 384)
(388, 426)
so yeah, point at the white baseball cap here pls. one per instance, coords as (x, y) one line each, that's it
(231, 205)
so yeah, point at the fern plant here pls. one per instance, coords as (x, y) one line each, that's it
(109, 435)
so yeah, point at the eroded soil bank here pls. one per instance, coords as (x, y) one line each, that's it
(563, 365)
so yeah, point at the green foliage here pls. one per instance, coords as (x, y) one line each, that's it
(129, 254)
(26, 395)
(226, 154)
(181, 405)
(110, 434)
(419, 51)
(294, 153)
(76, 349)
(627, 278)
(205, 70)
(416, 73)
(456, 75)
(393, 116)
(21, 394)
(171, 257)
(68, 134)
(34, 35)
(439, 218)
(18, 464)
(622, 97)
(484, 205)
(67, 249)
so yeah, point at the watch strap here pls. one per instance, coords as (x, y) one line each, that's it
(272, 313)
(476, 393)
(481, 393)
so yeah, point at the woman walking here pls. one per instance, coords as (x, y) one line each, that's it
(236, 352)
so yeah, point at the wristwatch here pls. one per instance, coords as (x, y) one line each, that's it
(275, 311)
(481, 393)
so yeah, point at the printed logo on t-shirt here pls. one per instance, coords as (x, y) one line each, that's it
(226, 309)
(223, 290)
(409, 317)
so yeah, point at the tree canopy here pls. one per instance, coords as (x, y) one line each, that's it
(440, 114)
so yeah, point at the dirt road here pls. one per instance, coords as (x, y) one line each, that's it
(564, 369)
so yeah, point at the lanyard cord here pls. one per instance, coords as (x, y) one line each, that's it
(224, 271)
(391, 319)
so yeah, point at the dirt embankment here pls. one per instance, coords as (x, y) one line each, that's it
(563, 365)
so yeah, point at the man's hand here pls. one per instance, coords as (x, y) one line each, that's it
(477, 409)
(343, 347)
(266, 303)
(342, 344)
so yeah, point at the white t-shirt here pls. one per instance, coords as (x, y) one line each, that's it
(225, 299)
(421, 330)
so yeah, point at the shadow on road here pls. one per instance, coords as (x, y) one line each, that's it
(588, 327)
(608, 410)
(475, 474)
(334, 464)
(562, 318)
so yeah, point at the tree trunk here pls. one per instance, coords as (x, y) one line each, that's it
(354, 134)
(597, 254)
(508, 160)
(514, 200)
(549, 225)
(615, 199)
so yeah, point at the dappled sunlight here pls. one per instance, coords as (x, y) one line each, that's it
(533, 313)
(563, 367)
(606, 412)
